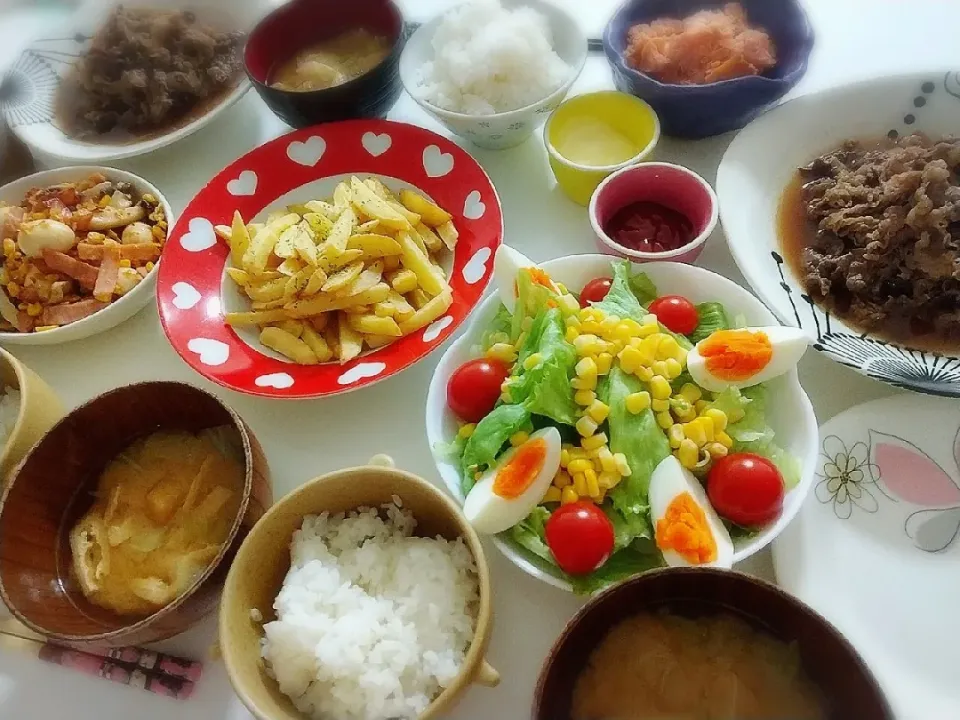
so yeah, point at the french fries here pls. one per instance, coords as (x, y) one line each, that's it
(328, 278)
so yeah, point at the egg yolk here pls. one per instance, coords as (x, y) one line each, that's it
(684, 528)
(519, 472)
(736, 354)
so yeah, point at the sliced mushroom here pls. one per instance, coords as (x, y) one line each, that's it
(110, 218)
(136, 233)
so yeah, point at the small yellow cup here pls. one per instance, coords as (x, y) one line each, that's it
(629, 116)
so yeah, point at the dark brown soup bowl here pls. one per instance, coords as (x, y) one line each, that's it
(53, 486)
(828, 659)
(300, 23)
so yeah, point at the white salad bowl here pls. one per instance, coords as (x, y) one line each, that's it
(506, 129)
(789, 411)
(121, 309)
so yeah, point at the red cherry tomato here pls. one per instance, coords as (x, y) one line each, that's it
(745, 489)
(677, 313)
(595, 291)
(580, 537)
(474, 388)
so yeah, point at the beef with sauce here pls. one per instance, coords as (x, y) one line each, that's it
(885, 248)
(146, 70)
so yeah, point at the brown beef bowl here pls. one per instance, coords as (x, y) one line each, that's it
(53, 487)
(828, 659)
(300, 23)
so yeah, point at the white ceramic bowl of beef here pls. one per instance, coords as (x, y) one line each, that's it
(32, 83)
(763, 159)
(789, 411)
(120, 309)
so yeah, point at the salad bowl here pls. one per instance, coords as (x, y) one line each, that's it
(788, 410)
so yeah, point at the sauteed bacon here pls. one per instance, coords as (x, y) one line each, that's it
(71, 249)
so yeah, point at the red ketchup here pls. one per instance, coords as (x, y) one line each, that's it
(649, 227)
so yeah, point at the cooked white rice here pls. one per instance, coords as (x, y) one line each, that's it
(9, 410)
(488, 59)
(372, 623)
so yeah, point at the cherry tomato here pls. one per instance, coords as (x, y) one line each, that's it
(677, 313)
(580, 537)
(595, 291)
(745, 489)
(474, 388)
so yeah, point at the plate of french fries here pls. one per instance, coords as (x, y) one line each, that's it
(290, 279)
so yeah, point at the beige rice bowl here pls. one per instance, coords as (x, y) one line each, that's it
(372, 622)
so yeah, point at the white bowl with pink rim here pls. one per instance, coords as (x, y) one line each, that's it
(672, 186)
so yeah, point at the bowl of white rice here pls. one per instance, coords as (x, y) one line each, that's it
(362, 595)
(28, 409)
(493, 70)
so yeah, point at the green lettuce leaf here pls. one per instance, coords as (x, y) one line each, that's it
(529, 533)
(751, 433)
(532, 299)
(643, 443)
(621, 565)
(620, 299)
(501, 324)
(643, 288)
(713, 317)
(545, 388)
(490, 435)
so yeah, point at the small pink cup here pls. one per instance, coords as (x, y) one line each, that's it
(664, 183)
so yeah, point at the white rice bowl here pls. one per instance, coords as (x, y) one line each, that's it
(372, 622)
(489, 59)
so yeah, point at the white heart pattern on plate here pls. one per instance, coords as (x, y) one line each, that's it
(476, 266)
(436, 163)
(211, 352)
(185, 296)
(199, 236)
(436, 327)
(280, 381)
(361, 371)
(244, 184)
(375, 144)
(473, 206)
(308, 152)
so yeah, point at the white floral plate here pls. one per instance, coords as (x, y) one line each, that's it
(876, 546)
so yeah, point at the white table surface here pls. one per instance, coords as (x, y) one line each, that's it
(303, 439)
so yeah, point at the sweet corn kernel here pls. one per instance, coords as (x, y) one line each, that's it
(562, 479)
(644, 373)
(607, 463)
(586, 343)
(682, 410)
(532, 361)
(675, 435)
(609, 324)
(13, 289)
(659, 367)
(667, 347)
(573, 322)
(718, 417)
(502, 351)
(568, 304)
(149, 266)
(520, 341)
(607, 480)
(34, 309)
(623, 467)
(715, 449)
(664, 420)
(707, 425)
(630, 359)
(586, 426)
(724, 439)
(589, 383)
(578, 453)
(586, 367)
(647, 329)
(594, 442)
(637, 402)
(552, 495)
(593, 486)
(590, 326)
(565, 456)
(580, 484)
(701, 405)
(622, 332)
(578, 465)
(688, 454)
(674, 368)
(659, 388)
(598, 411)
(466, 431)
(9, 247)
(584, 397)
(650, 344)
(604, 363)
(571, 334)
(660, 405)
(568, 495)
(519, 438)
(124, 263)
(693, 430)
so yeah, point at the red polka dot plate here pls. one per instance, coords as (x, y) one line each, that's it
(194, 293)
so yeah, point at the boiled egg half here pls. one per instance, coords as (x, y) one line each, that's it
(686, 528)
(745, 357)
(507, 265)
(509, 492)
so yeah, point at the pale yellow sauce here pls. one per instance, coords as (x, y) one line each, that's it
(331, 62)
(666, 666)
(590, 141)
(164, 508)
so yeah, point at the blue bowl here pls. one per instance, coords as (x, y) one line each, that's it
(698, 111)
